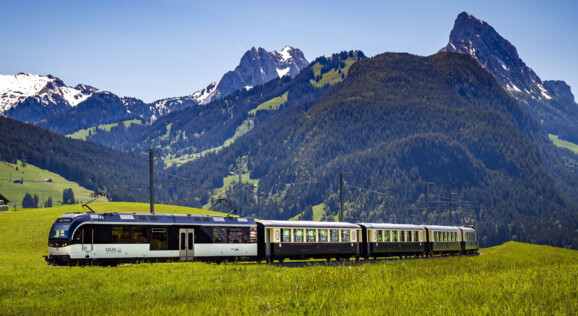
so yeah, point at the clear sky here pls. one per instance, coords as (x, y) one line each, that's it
(158, 49)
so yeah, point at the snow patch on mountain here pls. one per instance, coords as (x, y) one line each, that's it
(48, 90)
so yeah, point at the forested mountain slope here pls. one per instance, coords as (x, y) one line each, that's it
(124, 175)
(396, 122)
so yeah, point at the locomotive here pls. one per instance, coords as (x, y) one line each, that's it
(114, 238)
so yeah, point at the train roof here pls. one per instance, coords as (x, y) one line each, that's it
(306, 224)
(148, 218)
(392, 226)
(443, 228)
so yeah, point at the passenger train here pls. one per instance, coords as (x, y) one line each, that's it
(113, 238)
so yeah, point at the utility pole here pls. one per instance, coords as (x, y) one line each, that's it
(427, 199)
(151, 183)
(341, 196)
(450, 201)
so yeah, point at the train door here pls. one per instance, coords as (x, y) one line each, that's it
(186, 244)
(87, 241)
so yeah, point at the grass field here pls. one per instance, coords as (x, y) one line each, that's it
(34, 184)
(83, 133)
(513, 278)
(562, 143)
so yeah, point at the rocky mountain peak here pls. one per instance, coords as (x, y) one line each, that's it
(478, 39)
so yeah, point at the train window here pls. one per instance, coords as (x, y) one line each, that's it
(420, 236)
(310, 235)
(394, 235)
(334, 235)
(252, 234)
(402, 235)
(298, 234)
(374, 235)
(415, 238)
(121, 234)
(158, 238)
(345, 235)
(286, 233)
(353, 235)
(322, 235)
(380, 235)
(139, 234)
(387, 235)
(219, 234)
(436, 236)
(235, 235)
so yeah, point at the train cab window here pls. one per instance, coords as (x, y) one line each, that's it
(334, 235)
(345, 235)
(121, 234)
(322, 235)
(139, 234)
(387, 235)
(298, 234)
(394, 235)
(286, 233)
(219, 234)
(158, 238)
(310, 235)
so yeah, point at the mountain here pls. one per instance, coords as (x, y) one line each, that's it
(257, 66)
(550, 102)
(29, 98)
(190, 132)
(394, 123)
(124, 175)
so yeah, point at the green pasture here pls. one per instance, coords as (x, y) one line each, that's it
(331, 77)
(513, 278)
(34, 184)
(564, 144)
(83, 133)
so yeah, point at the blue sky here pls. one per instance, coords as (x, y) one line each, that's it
(159, 49)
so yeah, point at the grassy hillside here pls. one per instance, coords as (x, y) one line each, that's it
(563, 143)
(34, 184)
(84, 133)
(514, 278)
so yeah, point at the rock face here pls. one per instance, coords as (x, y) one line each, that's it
(560, 89)
(496, 54)
(550, 102)
(257, 66)
(29, 98)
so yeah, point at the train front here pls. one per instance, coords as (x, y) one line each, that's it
(61, 247)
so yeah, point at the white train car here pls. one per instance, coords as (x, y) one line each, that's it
(112, 238)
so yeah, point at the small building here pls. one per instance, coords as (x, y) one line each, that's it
(3, 203)
(47, 180)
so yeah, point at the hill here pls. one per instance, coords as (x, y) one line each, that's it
(36, 181)
(95, 167)
(512, 278)
(395, 123)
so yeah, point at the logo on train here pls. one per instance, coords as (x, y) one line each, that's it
(113, 250)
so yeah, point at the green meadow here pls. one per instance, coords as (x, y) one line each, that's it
(33, 183)
(514, 278)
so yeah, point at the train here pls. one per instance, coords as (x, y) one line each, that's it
(114, 238)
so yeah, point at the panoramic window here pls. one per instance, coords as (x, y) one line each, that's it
(158, 238)
(402, 236)
(139, 234)
(394, 235)
(387, 235)
(219, 234)
(235, 235)
(121, 234)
